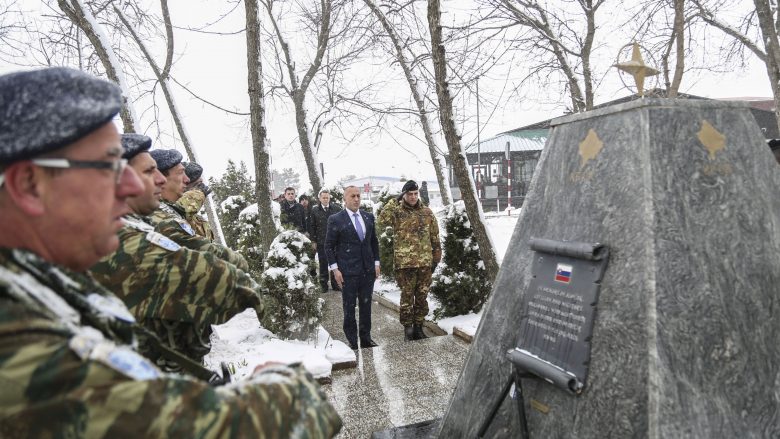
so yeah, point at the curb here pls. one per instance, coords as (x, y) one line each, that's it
(431, 326)
(457, 332)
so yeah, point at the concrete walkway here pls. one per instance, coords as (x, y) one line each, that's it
(397, 383)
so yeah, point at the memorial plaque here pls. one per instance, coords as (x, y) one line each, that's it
(559, 309)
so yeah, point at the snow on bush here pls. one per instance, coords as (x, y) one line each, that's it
(460, 281)
(293, 308)
(248, 236)
(228, 212)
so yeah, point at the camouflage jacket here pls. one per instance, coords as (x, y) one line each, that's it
(161, 282)
(415, 235)
(68, 368)
(191, 203)
(169, 221)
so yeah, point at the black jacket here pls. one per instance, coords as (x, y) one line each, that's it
(293, 214)
(318, 222)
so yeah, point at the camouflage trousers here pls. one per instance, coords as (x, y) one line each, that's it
(414, 284)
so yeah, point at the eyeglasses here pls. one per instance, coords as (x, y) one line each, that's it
(117, 166)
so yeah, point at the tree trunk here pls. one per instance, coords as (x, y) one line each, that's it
(587, 47)
(309, 155)
(679, 35)
(769, 34)
(441, 177)
(83, 18)
(162, 78)
(458, 158)
(257, 126)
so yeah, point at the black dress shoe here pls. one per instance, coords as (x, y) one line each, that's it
(368, 343)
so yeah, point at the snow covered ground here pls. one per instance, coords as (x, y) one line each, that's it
(243, 344)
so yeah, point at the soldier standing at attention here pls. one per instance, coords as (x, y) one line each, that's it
(416, 251)
(169, 218)
(68, 361)
(192, 201)
(175, 292)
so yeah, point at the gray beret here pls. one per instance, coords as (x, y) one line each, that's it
(166, 158)
(193, 171)
(134, 144)
(45, 110)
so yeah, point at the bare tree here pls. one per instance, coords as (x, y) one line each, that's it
(257, 125)
(765, 17)
(296, 89)
(400, 57)
(163, 76)
(554, 38)
(80, 14)
(457, 156)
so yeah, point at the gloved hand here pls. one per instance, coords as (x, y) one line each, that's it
(203, 187)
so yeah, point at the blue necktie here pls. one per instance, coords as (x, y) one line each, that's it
(358, 227)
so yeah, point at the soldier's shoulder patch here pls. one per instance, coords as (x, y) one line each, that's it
(110, 305)
(185, 226)
(161, 241)
(90, 344)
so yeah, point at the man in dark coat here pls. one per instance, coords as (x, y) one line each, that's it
(293, 216)
(318, 227)
(353, 254)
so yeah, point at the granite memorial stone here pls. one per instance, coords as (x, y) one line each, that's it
(686, 196)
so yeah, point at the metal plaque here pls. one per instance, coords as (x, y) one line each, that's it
(559, 309)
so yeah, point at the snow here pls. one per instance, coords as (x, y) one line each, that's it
(243, 345)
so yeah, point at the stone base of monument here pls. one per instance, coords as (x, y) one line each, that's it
(420, 430)
(682, 335)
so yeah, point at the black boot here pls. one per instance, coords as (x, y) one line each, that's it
(409, 334)
(418, 332)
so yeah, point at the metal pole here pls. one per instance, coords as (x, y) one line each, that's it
(508, 177)
(479, 147)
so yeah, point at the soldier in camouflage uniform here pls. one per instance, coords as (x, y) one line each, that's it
(169, 219)
(68, 360)
(416, 251)
(192, 201)
(176, 292)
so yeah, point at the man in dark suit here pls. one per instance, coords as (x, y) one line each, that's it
(352, 249)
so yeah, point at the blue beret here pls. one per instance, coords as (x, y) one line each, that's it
(166, 158)
(193, 171)
(45, 110)
(134, 144)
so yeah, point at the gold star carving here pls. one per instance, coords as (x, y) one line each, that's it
(590, 147)
(637, 68)
(711, 138)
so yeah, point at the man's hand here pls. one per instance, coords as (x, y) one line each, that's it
(339, 278)
(378, 271)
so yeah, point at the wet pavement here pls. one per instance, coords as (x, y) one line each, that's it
(395, 384)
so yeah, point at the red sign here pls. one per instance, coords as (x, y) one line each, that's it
(367, 188)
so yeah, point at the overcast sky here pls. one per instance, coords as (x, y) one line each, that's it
(215, 67)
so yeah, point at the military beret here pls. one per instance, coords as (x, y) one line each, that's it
(48, 109)
(166, 158)
(410, 185)
(193, 171)
(134, 144)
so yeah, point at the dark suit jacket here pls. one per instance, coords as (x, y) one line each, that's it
(343, 247)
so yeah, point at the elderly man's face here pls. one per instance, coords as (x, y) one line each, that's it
(325, 198)
(176, 182)
(153, 180)
(83, 208)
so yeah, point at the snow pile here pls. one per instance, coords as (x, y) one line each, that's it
(243, 344)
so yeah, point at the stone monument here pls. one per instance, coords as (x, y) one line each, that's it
(686, 332)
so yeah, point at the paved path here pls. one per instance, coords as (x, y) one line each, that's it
(397, 383)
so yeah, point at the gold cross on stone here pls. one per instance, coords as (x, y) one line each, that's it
(637, 68)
